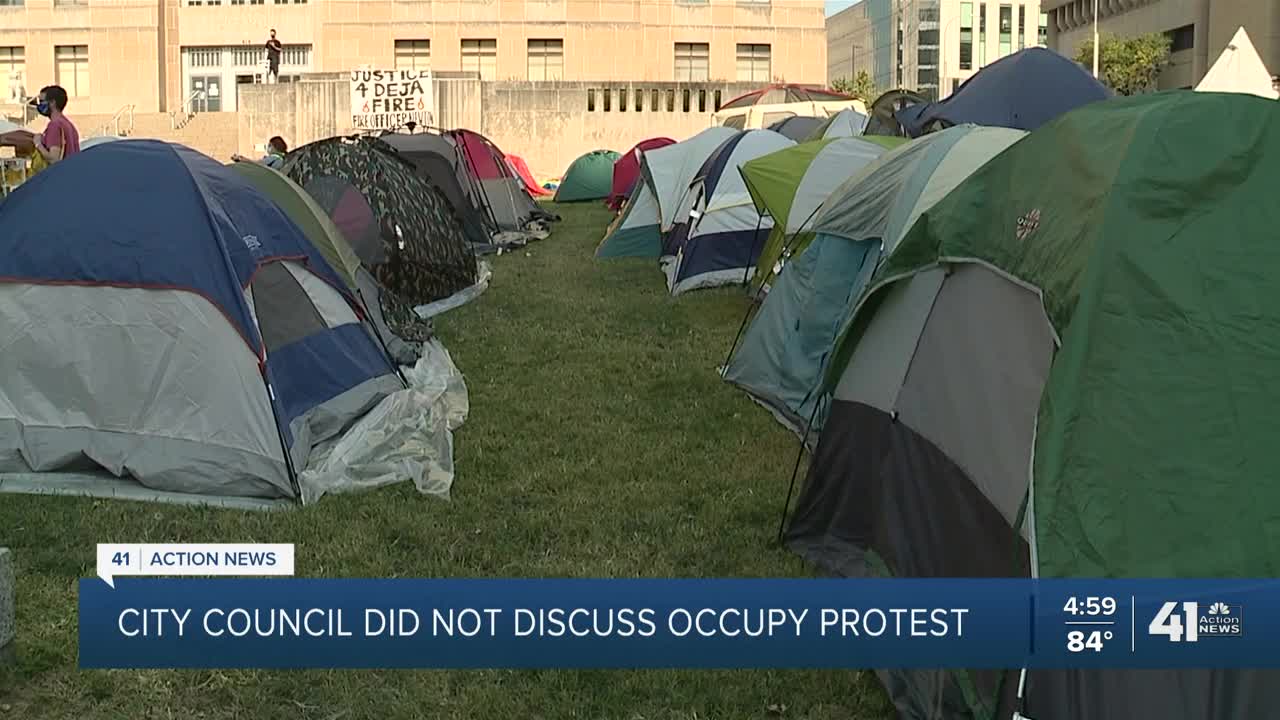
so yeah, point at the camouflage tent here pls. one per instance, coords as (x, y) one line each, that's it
(402, 227)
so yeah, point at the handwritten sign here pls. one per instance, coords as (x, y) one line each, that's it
(388, 99)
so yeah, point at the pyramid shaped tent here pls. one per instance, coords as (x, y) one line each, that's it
(846, 123)
(1239, 69)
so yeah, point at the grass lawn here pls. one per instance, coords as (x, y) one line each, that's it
(601, 443)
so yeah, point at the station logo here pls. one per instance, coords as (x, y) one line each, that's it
(1189, 622)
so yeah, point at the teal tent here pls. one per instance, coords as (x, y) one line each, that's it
(590, 177)
(787, 346)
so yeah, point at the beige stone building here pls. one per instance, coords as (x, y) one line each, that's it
(1199, 29)
(155, 55)
(930, 46)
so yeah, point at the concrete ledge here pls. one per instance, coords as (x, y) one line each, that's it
(7, 623)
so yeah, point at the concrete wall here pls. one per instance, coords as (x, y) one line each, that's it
(548, 124)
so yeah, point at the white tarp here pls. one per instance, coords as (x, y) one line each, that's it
(388, 99)
(1239, 69)
(408, 436)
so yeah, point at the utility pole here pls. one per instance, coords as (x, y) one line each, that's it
(1095, 38)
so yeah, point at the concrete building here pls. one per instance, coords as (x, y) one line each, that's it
(1199, 29)
(930, 46)
(155, 55)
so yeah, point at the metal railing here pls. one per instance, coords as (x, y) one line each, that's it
(197, 102)
(120, 124)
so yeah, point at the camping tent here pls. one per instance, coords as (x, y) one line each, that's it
(787, 346)
(1066, 370)
(797, 127)
(880, 118)
(1239, 69)
(319, 228)
(588, 178)
(626, 170)
(521, 170)
(665, 175)
(402, 227)
(1023, 90)
(718, 241)
(436, 158)
(98, 140)
(177, 329)
(791, 184)
(514, 209)
(846, 123)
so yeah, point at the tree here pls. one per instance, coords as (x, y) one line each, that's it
(861, 87)
(1128, 65)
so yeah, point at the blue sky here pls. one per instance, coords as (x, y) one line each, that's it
(835, 6)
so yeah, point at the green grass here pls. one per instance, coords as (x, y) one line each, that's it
(601, 443)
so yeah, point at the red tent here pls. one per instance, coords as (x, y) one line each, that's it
(627, 169)
(521, 169)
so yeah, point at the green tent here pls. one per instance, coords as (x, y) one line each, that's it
(1067, 368)
(791, 184)
(590, 177)
(314, 222)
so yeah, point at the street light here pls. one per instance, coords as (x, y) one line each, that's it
(853, 63)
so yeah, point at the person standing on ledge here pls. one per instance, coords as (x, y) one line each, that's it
(274, 48)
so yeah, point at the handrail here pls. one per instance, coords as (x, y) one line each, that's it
(188, 110)
(114, 123)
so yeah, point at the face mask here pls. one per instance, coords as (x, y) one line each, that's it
(43, 109)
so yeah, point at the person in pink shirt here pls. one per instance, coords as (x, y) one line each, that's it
(60, 139)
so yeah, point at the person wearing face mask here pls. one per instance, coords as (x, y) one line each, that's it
(60, 139)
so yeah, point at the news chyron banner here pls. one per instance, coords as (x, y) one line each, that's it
(199, 606)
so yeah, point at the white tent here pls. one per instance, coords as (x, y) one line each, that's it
(721, 233)
(1239, 69)
(665, 175)
(98, 140)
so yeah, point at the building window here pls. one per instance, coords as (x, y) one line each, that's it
(204, 57)
(413, 54)
(1006, 30)
(693, 62)
(546, 60)
(754, 63)
(982, 34)
(1183, 38)
(1022, 26)
(1043, 37)
(928, 15)
(13, 60)
(12, 3)
(966, 36)
(71, 69)
(480, 56)
(70, 3)
(928, 38)
(296, 56)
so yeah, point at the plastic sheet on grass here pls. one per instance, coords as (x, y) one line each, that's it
(407, 437)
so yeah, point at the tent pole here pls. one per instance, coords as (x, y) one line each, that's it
(804, 439)
(284, 447)
(381, 341)
(755, 242)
